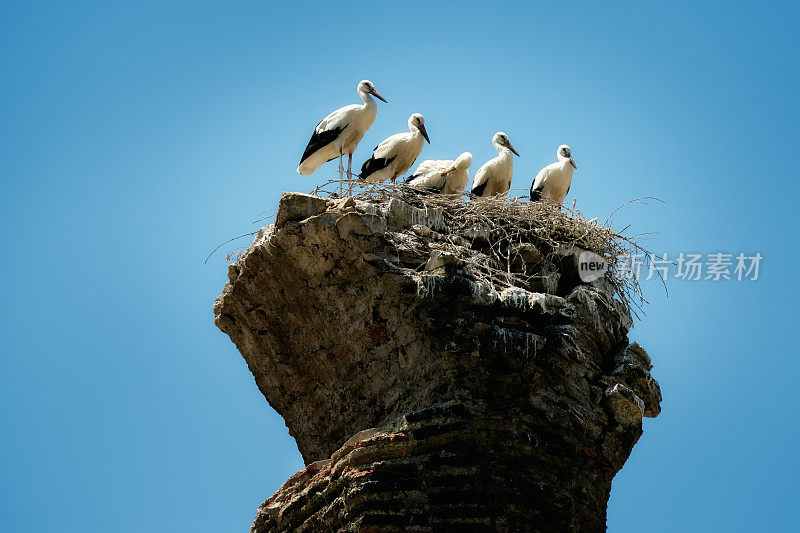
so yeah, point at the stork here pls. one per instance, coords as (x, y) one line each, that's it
(395, 155)
(340, 132)
(444, 176)
(494, 177)
(553, 181)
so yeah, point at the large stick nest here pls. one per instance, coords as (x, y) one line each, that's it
(506, 222)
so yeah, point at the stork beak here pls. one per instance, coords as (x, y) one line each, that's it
(572, 162)
(378, 95)
(511, 147)
(424, 132)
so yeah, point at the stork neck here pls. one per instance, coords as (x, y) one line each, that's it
(565, 166)
(368, 100)
(504, 151)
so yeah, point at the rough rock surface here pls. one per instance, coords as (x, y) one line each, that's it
(421, 397)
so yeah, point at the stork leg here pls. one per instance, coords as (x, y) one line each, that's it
(341, 172)
(349, 173)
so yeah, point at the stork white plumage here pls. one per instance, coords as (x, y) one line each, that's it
(494, 177)
(396, 154)
(553, 181)
(340, 132)
(444, 176)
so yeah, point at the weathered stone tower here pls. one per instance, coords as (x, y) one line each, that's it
(422, 396)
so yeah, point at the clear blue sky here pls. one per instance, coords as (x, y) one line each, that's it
(137, 136)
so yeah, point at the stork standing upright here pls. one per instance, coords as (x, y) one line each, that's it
(340, 132)
(494, 177)
(553, 181)
(395, 155)
(444, 176)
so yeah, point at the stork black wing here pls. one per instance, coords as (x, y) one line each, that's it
(536, 194)
(373, 165)
(320, 140)
(432, 190)
(440, 188)
(478, 190)
(427, 188)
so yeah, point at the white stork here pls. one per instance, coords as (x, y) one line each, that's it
(340, 132)
(494, 177)
(444, 176)
(553, 181)
(395, 155)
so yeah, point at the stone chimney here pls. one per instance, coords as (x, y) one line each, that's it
(424, 396)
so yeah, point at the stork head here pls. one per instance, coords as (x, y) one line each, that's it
(464, 161)
(564, 153)
(416, 122)
(500, 140)
(366, 87)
